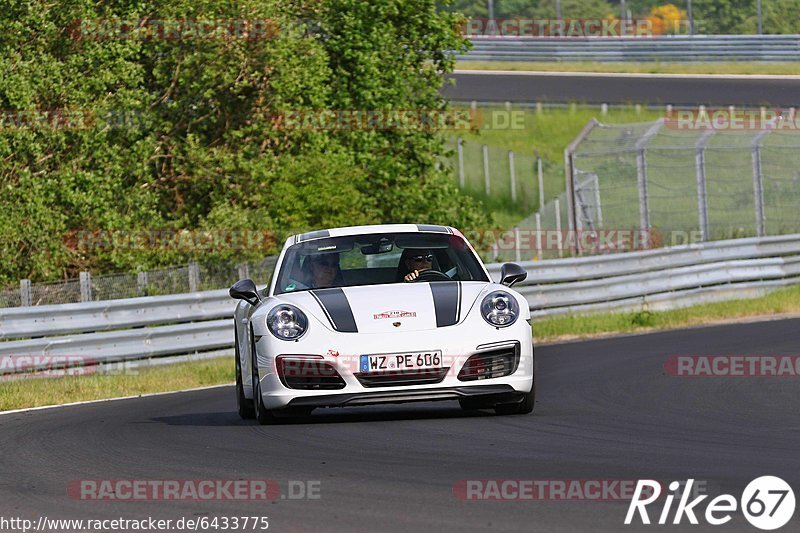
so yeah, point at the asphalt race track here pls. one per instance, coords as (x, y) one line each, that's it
(623, 89)
(605, 410)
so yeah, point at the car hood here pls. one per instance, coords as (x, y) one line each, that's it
(385, 308)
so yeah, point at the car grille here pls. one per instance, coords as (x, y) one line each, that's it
(308, 374)
(489, 364)
(408, 377)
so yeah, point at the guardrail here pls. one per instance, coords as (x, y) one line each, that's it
(681, 48)
(142, 328)
(662, 278)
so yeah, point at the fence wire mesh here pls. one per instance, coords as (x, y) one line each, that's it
(497, 176)
(173, 280)
(694, 185)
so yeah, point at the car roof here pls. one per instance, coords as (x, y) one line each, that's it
(376, 228)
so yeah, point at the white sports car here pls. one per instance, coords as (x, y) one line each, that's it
(382, 314)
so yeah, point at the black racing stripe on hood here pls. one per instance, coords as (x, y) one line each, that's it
(446, 302)
(336, 307)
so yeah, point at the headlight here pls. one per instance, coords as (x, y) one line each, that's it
(500, 309)
(287, 322)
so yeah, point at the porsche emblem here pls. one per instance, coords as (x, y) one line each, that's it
(396, 324)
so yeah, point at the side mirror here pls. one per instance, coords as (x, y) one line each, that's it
(245, 290)
(511, 273)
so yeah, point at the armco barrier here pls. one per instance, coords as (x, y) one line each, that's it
(142, 328)
(659, 279)
(682, 48)
(106, 315)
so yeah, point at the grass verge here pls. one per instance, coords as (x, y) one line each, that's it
(780, 302)
(553, 128)
(639, 68)
(35, 392)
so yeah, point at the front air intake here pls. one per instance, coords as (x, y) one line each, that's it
(308, 373)
(493, 363)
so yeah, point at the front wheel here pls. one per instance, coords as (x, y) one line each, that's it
(521, 408)
(262, 414)
(243, 405)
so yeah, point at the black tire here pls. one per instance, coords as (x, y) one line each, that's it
(523, 407)
(263, 415)
(243, 405)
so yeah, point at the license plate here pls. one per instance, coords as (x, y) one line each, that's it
(400, 361)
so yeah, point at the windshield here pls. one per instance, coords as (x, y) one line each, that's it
(376, 259)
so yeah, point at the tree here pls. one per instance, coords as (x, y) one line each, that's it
(182, 133)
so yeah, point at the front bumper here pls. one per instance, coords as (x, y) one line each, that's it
(456, 343)
(489, 393)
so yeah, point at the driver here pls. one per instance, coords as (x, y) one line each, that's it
(416, 261)
(324, 271)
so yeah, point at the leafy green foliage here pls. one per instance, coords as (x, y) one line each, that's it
(181, 134)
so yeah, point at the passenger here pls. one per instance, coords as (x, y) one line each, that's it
(323, 271)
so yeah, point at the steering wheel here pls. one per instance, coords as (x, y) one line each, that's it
(432, 275)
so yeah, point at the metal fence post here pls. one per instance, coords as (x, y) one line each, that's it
(599, 208)
(539, 235)
(644, 206)
(244, 271)
(486, 179)
(700, 169)
(25, 297)
(194, 277)
(559, 242)
(540, 176)
(758, 183)
(570, 185)
(141, 283)
(641, 176)
(86, 286)
(569, 176)
(460, 148)
(513, 176)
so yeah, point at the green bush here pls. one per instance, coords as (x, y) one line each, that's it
(182, 134)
